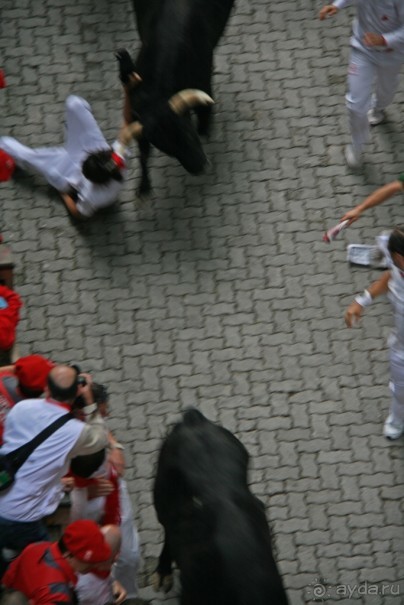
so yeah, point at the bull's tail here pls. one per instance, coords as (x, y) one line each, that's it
(193, 417)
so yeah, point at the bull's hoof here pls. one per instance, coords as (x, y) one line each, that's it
(126, 65)
(164, 583)
(142, 199)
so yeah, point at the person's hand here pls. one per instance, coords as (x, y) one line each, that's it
(117, 459)
(119, 592)
(85, 388)
(101, 487)
(351, 216)
(68, 484)
(371, 39)
(328, 11)
(353, 314)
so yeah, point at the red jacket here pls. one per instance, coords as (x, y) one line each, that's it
(9, 317)
(43, 575)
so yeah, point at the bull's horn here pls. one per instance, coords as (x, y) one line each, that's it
(188, 98)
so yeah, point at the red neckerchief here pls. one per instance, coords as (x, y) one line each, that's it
(60, 404)
(103, 574)
(112, 509)
(118, 160)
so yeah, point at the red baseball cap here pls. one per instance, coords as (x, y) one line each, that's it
(7, 166)
(32, 372)
(85, 541)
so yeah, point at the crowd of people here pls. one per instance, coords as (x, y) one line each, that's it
(97, 557)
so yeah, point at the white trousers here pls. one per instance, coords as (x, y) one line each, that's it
(61, 166)
(397, 385)
(126, 568)
(369, 72)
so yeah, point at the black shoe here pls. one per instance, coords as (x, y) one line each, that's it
(126, 65)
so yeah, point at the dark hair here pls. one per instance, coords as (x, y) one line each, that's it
(100, 168)
(64, 394)
(85, 466)
(396, 240)
(100, 393)
(30, 393)
(62, 546)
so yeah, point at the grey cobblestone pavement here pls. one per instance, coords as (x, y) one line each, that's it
(220, 293)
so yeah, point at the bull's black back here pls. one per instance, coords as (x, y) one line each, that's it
(178, 39)
(215, 527)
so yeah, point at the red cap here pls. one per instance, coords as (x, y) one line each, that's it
(7, 166)
(85, 541)
(32, 372)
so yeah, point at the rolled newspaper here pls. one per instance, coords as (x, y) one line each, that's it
(332, 233)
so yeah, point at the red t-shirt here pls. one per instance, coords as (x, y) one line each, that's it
(42, 574)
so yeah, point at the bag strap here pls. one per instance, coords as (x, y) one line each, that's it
(19, 456)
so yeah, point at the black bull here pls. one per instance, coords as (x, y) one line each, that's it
(178, 39)
(215, 529)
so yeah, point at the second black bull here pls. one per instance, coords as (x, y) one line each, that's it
(215, 528)
(175, 63)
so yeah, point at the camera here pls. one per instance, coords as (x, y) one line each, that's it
(81, 381)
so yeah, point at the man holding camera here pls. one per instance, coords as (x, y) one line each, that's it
(37, 489)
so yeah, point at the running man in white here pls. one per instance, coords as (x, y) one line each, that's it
(391, 282)
(377, 53)
(87, 171)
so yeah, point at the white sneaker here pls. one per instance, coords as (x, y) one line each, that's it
(353, 158)
(393, 430)
(376, 116)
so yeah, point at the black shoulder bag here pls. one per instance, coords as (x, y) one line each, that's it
(10, 463)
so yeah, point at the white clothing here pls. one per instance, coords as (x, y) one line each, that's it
(396, 339)
(396, 342)
(61, 166)
(373, 68)
(37, 489)
(385, 17)
(126, 567)
(92, 590)
(365, 74)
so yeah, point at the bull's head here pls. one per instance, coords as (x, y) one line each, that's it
(170, 129)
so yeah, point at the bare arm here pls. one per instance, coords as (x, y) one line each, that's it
(377, 197)
(134, 80)
(71, 206)
(355, 309)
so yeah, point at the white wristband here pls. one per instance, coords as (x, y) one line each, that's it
(365, 299)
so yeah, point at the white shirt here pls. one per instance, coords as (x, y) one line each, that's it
(385, 17)
(37, 489)
(92, 590)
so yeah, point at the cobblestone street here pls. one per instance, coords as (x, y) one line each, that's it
(220, 293)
